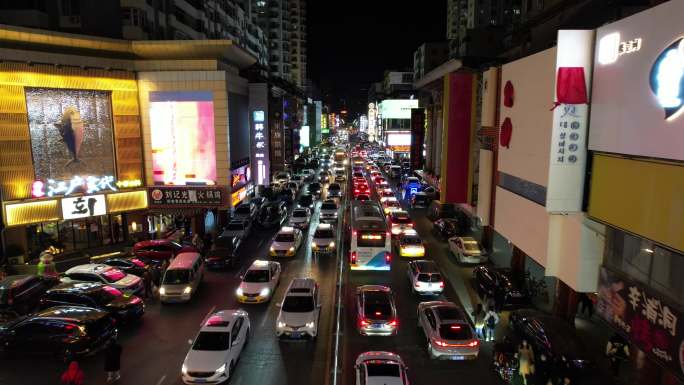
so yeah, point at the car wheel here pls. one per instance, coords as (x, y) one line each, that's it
(231, 369)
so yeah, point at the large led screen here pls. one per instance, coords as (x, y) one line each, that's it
(398, 139)
(71, 133)
(183, 142)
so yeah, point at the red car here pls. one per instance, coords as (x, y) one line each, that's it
(379, 180)
(160, 249)
(361, 189)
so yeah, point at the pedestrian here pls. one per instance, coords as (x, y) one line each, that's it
(617, 351)
(586, 304)
(113, 362)
(491, 319)
(525, 360)
(116, 230)
(478, 320)
(73, 375)
(147, 281)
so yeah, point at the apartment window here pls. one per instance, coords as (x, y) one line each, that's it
(133, 16)
(407, 78)
(71, 7)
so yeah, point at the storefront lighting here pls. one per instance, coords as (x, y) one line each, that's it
(648, 250)
(129, 183)
(86, 184)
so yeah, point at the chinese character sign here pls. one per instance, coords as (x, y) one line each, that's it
(648, 320)
(84, 206)
(187, 196)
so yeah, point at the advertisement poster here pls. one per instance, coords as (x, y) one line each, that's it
(183, 138)
(71, 133)
(650, 322)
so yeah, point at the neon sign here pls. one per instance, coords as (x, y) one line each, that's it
(89, 184)
(611, 48)
(667, 79)
(259, 144)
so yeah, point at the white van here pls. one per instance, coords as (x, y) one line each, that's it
(182, 278)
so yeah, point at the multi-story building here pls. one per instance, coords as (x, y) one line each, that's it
(397, 84)
(273, 17)
(298, 42)
(428, 56)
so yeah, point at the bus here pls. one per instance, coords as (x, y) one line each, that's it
(341, 156)
(371, 242)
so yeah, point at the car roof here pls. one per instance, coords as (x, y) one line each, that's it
(70, 313)
(153, 242)
(15, 280)
(222, 319)
(286, 230)
(467, 239)
(260, 265)
(76, 287)
(324, 226)
(449, 312)
(301, 286)
(89, 268)
(184, 260)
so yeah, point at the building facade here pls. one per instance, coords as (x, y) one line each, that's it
(428, 56)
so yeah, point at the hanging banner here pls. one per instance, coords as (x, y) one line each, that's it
(417, 137)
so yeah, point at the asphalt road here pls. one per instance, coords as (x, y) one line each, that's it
(154, 349)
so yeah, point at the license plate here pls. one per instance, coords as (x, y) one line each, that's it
(295, 335)
(458, 358)
(516, 295)
(377, 326)
(200, 380)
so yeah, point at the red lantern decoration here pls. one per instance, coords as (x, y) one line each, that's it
(506, 133)
(570, 86)
(508, 94)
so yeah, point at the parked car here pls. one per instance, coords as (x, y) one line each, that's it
(68, 332)
(376, 313)
(446, 228)
(488, 281)
(323, 241)
(447, 331)
(259, 282)
(438, 210)
(20, 294)
(158, 250)
(273, 214)
(300, 310)
(217, 347)
(108, 275)
(124, 308)
(237, 228)
(225, 252)
(286, 242)
(466, 250)
(128, 265)
(246, 211)
(380, 368)
(425, 277)
(300, 218)
(328, 212)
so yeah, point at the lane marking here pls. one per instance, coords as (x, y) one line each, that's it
(161, 379)
(207, 316)
(339, 306)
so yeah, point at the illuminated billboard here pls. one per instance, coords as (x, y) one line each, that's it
(183, 138)
(396, 139)
(71, 133)
(397, 108)
(304, 136)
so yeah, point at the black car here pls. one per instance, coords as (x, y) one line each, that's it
(553, 337)
(273, 214)
(224, 253)
(245, 211)
(501, 282)
(438, 210)
(67, 332)
(447, 228)
(286, 195)
(315, 189)
(128, 265)
(334, 190)
(420, 199)
(306, 200)
(20, 294)
(95, 295)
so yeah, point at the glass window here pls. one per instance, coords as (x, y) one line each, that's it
(298, 304)
(628, 254)
(382, 370)
(455, 332)
(212, 341)
(665, 274)
(176, 277)
(256, 276)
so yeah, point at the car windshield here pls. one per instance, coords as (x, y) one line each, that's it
(285, 237)
(471, 246)
(399, 219)
(113, 275)
(242, 210)
(382, 370)
(298, 304)
(176, 277)
(435, 277)
(334, 187)
(212, 341)
(256, 276)
(299, 214)
(455, 332)
(324, 234)
(234, 227)
(106, 295)
(305, 199)
(328, 206)
(411, 241)
(224, 243)
(377, 306)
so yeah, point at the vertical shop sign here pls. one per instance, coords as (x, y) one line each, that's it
(417, 137)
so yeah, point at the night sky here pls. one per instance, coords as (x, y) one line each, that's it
(351, 43)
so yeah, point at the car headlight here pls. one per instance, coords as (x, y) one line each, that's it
(187, 290)
(265, 292)
(281, 324)
(332, 244)
(291, 248)
(272, 249)
(314, 245)
(184, 369)
(222, 369)
(310, 325)
(239, 291)
(162, 291)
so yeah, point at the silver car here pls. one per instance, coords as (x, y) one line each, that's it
(323, 241)
(376, 312)
(447, 330)
(328, 211)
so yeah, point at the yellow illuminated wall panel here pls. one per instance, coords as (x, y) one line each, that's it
(642, 197)
(127, 201)
(17, 214)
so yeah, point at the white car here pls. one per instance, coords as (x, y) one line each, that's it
(286, 242)
(108, 275)
(387, 195)
(300, 310)
(281, 177)
(466, 250)
(380, 368)
(447, 331)
(300, 218)
(425, 278)
(237, 228)
(216, 348)
(391, 206)
(323, 241)
(328, 211)
(259, 282)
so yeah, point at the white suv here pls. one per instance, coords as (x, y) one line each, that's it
(216, 349)
(300, 310)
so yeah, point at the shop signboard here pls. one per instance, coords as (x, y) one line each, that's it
(259, 132)
(397, 108)
(83, 206)
(568, 154)
(186, 196)
(638, 85)
(417, 137)
(240, 176)
(649, 321)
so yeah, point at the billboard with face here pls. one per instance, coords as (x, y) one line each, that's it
(183, 138)
(71, 133)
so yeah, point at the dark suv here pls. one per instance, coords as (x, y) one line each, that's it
(20, 294)
(65, 331)
(224, 253)
(96, 295)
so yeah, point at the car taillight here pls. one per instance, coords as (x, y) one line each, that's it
(388, 257)
(387, 233)
(441, 285)
(417, 284)
(393, 323)
(474, 343)
(440, 343)
(363, 322)
(353, 257)
(354, 233)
